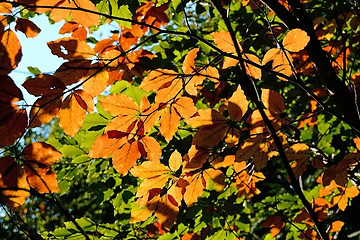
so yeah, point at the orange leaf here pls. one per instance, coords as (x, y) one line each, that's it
(206, 117)
(13, 126)
(169, 123)
(13, 176)
(152, 148)
(336, 226)
(295, 40)
(119, 105)
(275, 223)
(125, 157)
(41, 153)
(27, 27)
(185, 107)
(5, 7)
(149, 169)
(237, 105)
(170, 92)
(71, 115)
(157, 78)
(105, 146)
(175, 161)
(84, 18)
(96, 81)
(84, 100)
(10, 49)
(223, 41)
(194, 190)
(68, 27)
(42, 178)
(189, 61)
(71, 48)
(251, 70)
(210, 136)
(215, 176)
(43, 110)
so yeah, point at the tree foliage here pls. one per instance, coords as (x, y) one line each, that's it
(235, 119)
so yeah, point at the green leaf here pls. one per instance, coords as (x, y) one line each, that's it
(71, 151)
(80, 159)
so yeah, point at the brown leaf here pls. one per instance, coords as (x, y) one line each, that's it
(73, 71)
(71, 48)
(44, 85)
(27, 27)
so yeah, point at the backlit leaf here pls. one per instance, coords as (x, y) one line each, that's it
(11, 53)
(27, 27)
(296, 40)
(41, 152)
(71, 115)
(237, 105)
(71, 48)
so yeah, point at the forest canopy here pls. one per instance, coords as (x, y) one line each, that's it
(208, 119)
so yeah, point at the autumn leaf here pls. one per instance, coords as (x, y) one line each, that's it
(224, 41)
(43, 110)
(39, 157)
(212, 127)
(71, 48)
(181, 108)
(125, 157)
(157, 79)
(13, 120)
(44, 85)
(11, 53)
(343, 197)
(13, 184)
(275, 223)
(73, 71)
(96, 80)
(245, 182)
(294, 41)
(85, 18)
(41, 153)
(71, 115)
(237, 105)
(104, 146)
(27, 27)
